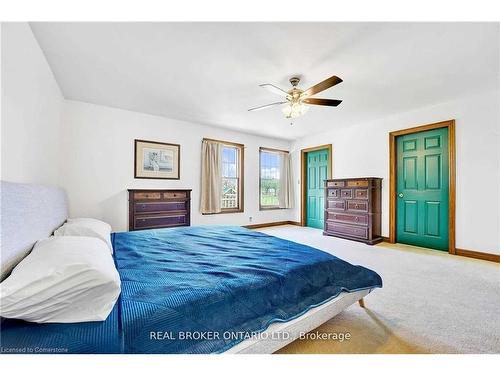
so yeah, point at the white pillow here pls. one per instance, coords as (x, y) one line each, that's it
(63, 280)
(86, 227)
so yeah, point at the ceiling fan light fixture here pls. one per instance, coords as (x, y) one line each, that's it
(294, 109)
(296, 100)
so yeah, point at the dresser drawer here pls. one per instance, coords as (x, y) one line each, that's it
(335, 183)
(142, 222)
(159, 206)
(335, 205)
(357, 183)
(352, 209)
(147, 195)
(346, 193)
(347, 230)
(174, 194)
(361, 206)
(361, 194)
(333, 193)
(348, 218)
(162, 208)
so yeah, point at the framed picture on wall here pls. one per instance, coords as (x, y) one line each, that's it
(157, 160)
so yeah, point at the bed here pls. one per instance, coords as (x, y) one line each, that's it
(211, 289)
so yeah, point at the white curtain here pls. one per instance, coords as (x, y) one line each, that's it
(286, 182)
(211, 181)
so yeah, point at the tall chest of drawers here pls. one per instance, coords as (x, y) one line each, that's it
(353, 209)
(149, 209)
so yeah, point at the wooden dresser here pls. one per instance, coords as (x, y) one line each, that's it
(150, 209)
(353, 209)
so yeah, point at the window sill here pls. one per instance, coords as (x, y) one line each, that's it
(270, 208)
(227, 211)
(230, 210)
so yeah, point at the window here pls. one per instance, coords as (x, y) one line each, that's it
(232, 180)
(221, 177)
(270, 175)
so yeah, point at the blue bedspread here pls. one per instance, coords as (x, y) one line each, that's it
(19, 337)
(213, 283)
(222, 280)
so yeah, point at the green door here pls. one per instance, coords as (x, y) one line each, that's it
(317, 173)
(422, 189)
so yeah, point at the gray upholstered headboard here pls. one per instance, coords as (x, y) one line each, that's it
(29, 213)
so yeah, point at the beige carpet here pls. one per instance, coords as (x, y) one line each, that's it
(431, 302)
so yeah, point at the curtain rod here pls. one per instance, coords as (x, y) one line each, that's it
(273, 149)
(224, 142)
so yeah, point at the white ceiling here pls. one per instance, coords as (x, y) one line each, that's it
(209, 72)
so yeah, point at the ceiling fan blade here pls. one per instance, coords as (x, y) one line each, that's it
(265, 106)
(323, 85)
(328, 102)
(274, 89)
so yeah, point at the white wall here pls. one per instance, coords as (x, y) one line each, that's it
(89, 149)
(98, 163)
(363, 150)
(31, 110)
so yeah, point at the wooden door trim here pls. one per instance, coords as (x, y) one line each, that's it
(303, 194)
(450, 125)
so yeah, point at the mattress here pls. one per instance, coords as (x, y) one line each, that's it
(200, 290)
(280, 334)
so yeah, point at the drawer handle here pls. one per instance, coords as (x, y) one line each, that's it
(143, 206)
(356, 218)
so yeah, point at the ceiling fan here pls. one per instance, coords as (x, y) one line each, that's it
(296, 99)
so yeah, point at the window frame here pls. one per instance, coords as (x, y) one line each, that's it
(277, 151)
(240, 176)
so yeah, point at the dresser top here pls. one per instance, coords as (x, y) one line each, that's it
(160, 189)
(355, 178)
